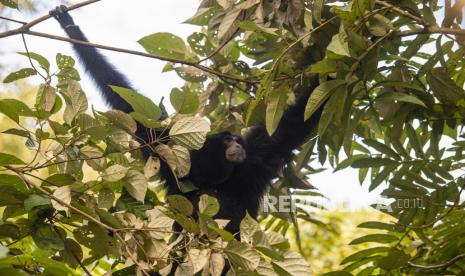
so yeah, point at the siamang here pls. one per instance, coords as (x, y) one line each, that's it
(237, 170)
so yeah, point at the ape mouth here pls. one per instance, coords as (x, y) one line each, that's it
(237, 156)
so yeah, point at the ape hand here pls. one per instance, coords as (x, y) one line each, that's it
(61, 14)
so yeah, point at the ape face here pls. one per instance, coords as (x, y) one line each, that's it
(226, 147)
(235, 151)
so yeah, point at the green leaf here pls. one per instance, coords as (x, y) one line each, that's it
(275, 106)
(108, 218)
(380, 238)
(8, 159)
(165, 45)
(14, 108)
(377, 225)
(64, 61)
(136, 185)
(59, 180)
(208, 206)
(21, 74)
(248, 228)
(382, 148)
(180, 204)
(114, 173)
(10, 3)
(401, 97)
(184, 102)
(190, 132)
(13, 181)
(44, 63)
(339, 45)
(35, 200)
(444, 88)
(76, 101)
(201, 17)
(138, 102)
(372, 162)
(394, 260)
(121, 120)
(293, 265)
(18, 132)
(320, 94)
(364, 253)
(242, 255)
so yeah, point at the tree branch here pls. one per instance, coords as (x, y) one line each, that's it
(61, 202)
(25, 29)
(443, 265)
(402, 12)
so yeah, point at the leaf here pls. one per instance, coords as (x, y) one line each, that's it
(216, 264)
(139, 103)
(198, 258)
(184, 102)
(165, 45)
(13, 181)
(382, 148)
(444, 88)
(72, 253)
(10, 3)
(191, 74)
(248, 228)
(180, 204)
(293, 265)
(394, 260)
(8, 159)
(64, 194)
(46, 97)
(242, 255)
(334, 106)
(76, 101)
(227, 26)
(93, 157)
(339, 45)
(208, 206)
(136, 185)
(372, 162)
(275, 106)
(167, 155)
(44, 63)
(380, 238)
(64, 61)
(401, 97)
(35, 200)
(152, 167)
(201, 17)
(319, 95)
(14, 108)
(108, 218)
(190, 132)
(122, 120)
(21, 74)
(364, 253)
(59, 180)
(106, 198)
(18, 132)
(183, 160)
(114, 173)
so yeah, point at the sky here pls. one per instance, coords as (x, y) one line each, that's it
(121, 23)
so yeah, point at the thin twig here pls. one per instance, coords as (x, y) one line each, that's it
(61, 202)
(443, 265)
(13, 20)
(402, 12)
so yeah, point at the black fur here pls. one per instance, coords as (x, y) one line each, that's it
(238, 187)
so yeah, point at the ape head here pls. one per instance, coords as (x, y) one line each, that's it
(215, 161)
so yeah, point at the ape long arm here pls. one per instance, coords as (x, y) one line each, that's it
(101, 71)
(291, 133)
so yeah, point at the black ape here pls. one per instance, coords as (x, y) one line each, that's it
(236, 170)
